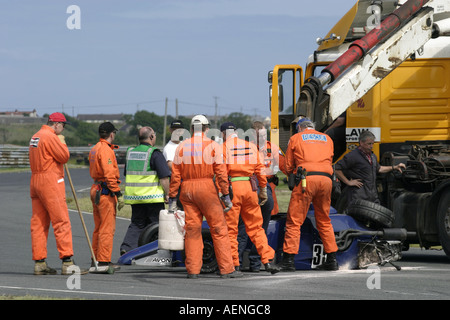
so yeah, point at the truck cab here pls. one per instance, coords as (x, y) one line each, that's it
(406, 104)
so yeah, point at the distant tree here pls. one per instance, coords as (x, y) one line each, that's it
(242, 121)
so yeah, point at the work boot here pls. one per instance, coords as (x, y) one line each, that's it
(330, 263)
(68, 268)
(41, 268)
(234, 274)
(271, 267)
(106, 264)
(287, 264)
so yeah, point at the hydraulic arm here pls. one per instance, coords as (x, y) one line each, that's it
(366, 62)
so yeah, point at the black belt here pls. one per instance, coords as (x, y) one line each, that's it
(319, 173)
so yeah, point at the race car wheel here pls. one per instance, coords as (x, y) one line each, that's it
(370, 214)
(149, 234)
(443, 221)
(209, 255)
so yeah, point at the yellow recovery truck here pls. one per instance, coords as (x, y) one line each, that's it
(386, 64)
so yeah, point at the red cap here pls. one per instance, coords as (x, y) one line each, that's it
(57, 117)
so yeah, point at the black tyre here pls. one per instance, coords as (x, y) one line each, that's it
(371, 214)
(209, 255)
(149, 234)
(443, 221)
(341, 203)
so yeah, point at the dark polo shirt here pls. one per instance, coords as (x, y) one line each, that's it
(356, 165)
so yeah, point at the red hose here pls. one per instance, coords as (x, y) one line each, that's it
(360, 47)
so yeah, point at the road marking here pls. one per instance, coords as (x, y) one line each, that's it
(103, 293)
(306, 274)
(90, 213)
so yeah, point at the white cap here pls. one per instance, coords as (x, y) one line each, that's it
(199, 119)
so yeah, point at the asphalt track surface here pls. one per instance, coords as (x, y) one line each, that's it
(425, 274)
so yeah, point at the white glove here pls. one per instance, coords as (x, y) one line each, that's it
(172, 205)
(61, 138)
(227, 202)
(263, 196)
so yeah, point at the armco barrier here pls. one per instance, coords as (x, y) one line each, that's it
(14, 157)
(17, 157)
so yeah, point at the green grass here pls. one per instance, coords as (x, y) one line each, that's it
(283, 196)
(18, 133)
(85, 205)
(282, 191)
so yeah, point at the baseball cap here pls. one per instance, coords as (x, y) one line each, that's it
(227, 125)
(106, 127)
(176, 124)
(57, 117)
(302, 120)
(199, 119)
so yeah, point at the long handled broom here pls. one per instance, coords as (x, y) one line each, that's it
(96, 268)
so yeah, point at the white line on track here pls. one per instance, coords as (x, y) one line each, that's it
(101, 293)
(85, 212)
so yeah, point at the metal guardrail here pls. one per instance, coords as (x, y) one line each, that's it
(17, 157)
(14, 157)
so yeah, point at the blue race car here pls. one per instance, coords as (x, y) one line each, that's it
(363, 236)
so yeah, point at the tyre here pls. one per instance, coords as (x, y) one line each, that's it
(341, 203)
(149, 234)
(209, 255)
(443, 221)
(371, 214)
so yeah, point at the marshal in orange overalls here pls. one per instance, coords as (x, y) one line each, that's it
(313, 151)
(196, 162)
(48, 196)
(103, 168)
(242, 159)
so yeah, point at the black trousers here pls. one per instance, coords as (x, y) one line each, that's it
(142, 215)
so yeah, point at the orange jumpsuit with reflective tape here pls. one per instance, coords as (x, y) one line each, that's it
(243, 160)
(48, 196)
(103, 168)
(313, 151)
(196, 162)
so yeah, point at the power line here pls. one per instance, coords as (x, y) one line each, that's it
(227, 106)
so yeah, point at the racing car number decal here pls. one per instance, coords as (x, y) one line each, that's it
(319, 255)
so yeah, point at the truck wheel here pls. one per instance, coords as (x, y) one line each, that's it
(371, 214)
(443, 221)
(149, 234)
(209, 255)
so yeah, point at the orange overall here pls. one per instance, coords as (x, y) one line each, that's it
(271, 157)
(48, 197)
(196, 162)
(103, 168)
(243, 161)
(313, 151)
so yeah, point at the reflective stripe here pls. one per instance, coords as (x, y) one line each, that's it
(154, 184)
(141, 183)
(141, 173)
(239, 179)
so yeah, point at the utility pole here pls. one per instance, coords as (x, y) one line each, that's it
(176, 108)
(215, 115)
(165, 124)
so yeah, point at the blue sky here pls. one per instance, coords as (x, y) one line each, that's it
(131, 55)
